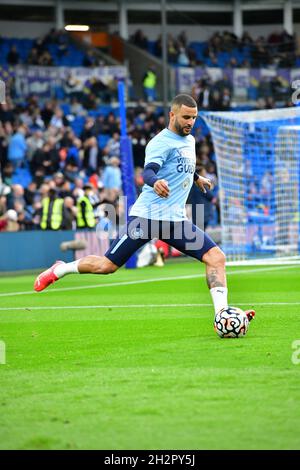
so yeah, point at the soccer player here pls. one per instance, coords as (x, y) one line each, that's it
(159, 211)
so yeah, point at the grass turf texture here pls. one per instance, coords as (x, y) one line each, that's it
(149, 377)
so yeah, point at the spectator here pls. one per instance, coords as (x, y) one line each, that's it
(47, 113)
(92, 156)
(89, 129)
(69, 214)
(30, 193)
(34, 142)
(109, 125)
(112, 181)
(215, 101)
(47, 158)
(18, 196)
(13, 57)
(204, 90)
(73, 87)
(58, 119)
(113, 146)
(9, 221)
(225, 100)
(149, 84)
(140, 40)
(76, 108)
(52, 211)
(183, 39)
(45, 59)
(33, 58)
(183, 59)
(172, 49)
(7, 174)
(17, 148)
(85, 210)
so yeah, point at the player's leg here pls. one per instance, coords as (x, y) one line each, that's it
(215, 260)
(119, 252)
(191, 240)
(88, 264)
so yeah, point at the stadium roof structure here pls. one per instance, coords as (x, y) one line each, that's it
(101, 13)
(135, 5)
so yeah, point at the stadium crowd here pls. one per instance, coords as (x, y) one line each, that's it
(225, 49)
(60, 158)
(56, 178)
(54, 48)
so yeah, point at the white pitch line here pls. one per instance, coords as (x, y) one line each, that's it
(139, 306)
(145, 281)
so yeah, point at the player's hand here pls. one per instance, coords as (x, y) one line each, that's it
(202, 183)
(161, 188)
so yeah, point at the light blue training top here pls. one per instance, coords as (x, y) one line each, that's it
(177, 159)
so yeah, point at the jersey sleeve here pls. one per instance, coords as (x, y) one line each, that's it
(156, 152)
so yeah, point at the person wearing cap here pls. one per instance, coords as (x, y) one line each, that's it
(85, 210)
(9, 221)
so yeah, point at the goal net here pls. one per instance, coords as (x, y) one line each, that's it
(258, 161)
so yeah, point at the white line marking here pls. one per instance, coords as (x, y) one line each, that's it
(145, 281)
(122, 240)
(139, 306)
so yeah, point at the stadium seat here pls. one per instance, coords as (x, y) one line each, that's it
(103, 139)
(22, 176)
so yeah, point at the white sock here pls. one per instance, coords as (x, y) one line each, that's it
(219, 297)
(66, 268)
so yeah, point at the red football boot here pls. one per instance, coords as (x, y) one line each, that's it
(46, 278)
(250, 314)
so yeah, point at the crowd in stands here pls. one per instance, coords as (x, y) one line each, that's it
(225, 49)
(217, 95)
(50, 165)
(55, 48)
(60, 159)
(41, 156)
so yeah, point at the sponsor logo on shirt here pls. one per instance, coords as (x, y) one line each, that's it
(185, 164)
(186, 183)
(136, 233)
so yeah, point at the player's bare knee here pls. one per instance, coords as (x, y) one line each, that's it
(215, 257)
(108, 267)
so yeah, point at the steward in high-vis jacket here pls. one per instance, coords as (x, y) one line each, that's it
(85, 209)
(52, 211)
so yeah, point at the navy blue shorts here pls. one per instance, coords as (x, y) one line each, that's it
(184, 236)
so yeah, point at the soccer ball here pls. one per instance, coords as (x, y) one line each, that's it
(231, 322)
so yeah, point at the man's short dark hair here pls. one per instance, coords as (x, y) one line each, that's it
(183, 100)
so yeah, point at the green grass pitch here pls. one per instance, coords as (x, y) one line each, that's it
(135, 363)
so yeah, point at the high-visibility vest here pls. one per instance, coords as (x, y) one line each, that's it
(150, 80)
(89, 219)
(56, 216)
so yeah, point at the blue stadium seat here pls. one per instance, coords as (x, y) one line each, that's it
(66, 108)
(22, 176)
(151, 47)
(78, 124)
(59, 93)
(73, 57)
(103, 139)
(105, 109)
(252, 93)
(94, 113)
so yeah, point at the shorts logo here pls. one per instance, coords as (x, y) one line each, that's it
(136, 233)
(186, 183)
